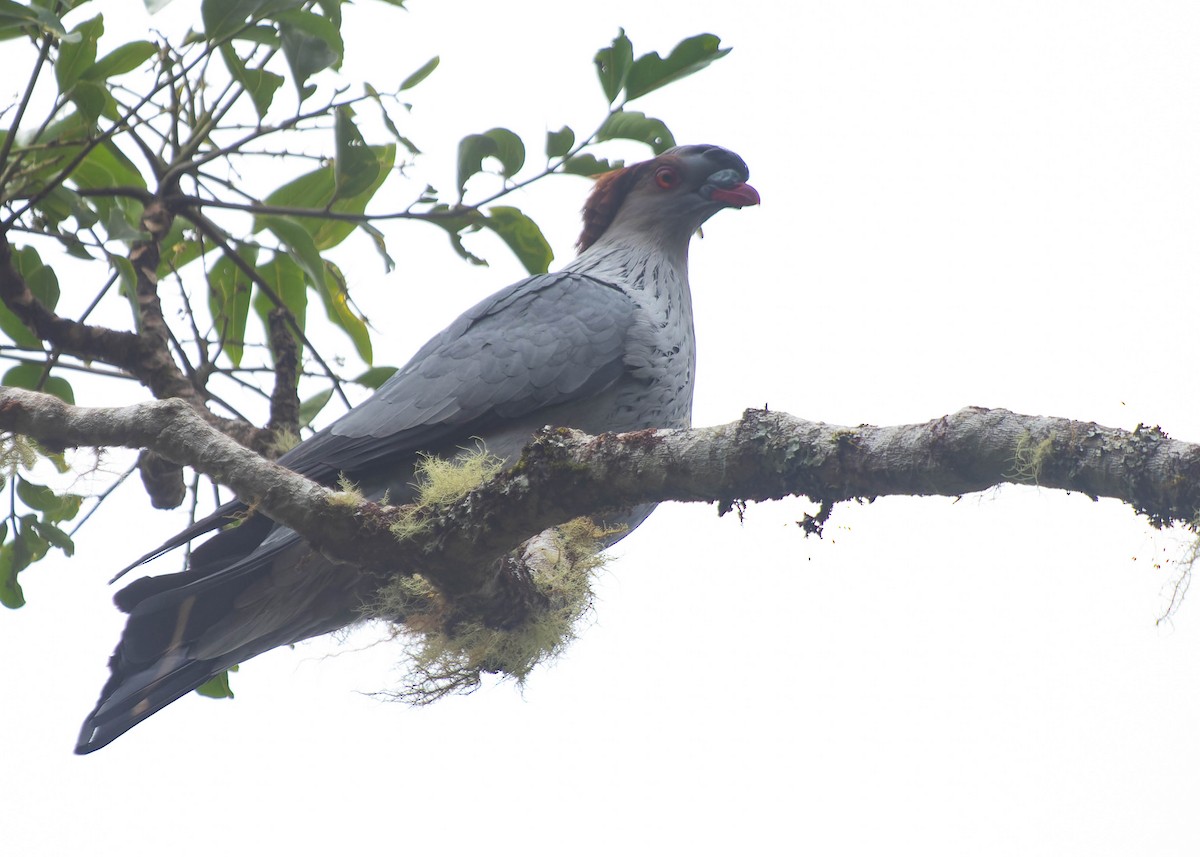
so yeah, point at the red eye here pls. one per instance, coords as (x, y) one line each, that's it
(666, 177)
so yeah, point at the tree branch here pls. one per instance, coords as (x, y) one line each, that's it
(135, 354)
(564, 474)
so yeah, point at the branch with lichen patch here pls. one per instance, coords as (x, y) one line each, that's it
(564, 474)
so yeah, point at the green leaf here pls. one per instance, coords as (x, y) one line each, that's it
(286, 280)
(300, 246)
(589, 165)
(223, 18)
(260, 84)
(389, 264)
(119, 228)
(310, 43)
(373, 378)
(312, 406)
(631, 125)
(522, 236)
(499, 143)
(55, 537)
(128, 287)
(229, 302)
(312, 190)
(336, 297)
(18, 14)
(558, 143)
(651, 71)
(355, 166)
(105, 166)
(315, 191)
(54, 507)
(122, 60)
(179, 248)
(27, 376)
(16, 330)
(373, 93)
(218, 687)
(40, 278)
(613, 65)
(91, 98)
(28, 545)
(469, 220)
(37, 497)
(328, 232)
(11, 595)
(420, 74)
(75, 59)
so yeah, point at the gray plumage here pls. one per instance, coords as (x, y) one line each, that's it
(606, 344)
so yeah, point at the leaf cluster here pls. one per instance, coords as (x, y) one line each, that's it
(205, 183)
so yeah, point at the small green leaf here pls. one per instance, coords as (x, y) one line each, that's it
(300, 246)
(218, 687)
(312, 406)
(522, 236)
(75, 59)
(336, 297)
(91, 98)
(498, 143)
(35, 496)
(631, 125)
(122, 60)
(11, 595)
(420, 74)
(229, 302)
(19, 15)
(373, 378)
(55, 537)
(558, 143)
(613, 65)
(119, 228)
(223, 18)
(355, 166)
(40, 278)
(389, 264)
(589, 165)
(29, 546)
(128, 287)
(286, 280)
(468, 220)
(15, 330)
(311, 43)
(651, 71)
(260, 84)
(28, 375)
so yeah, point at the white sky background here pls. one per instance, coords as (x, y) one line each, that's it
(964, 204)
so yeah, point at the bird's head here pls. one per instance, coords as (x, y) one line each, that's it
(668, 197)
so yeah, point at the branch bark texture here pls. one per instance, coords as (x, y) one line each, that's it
(564, 474)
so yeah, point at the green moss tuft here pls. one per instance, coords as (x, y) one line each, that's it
(441, 482)
(1029, 458)
(450, 656)
(349, 495)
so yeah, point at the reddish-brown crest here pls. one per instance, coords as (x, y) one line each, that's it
(606, 197)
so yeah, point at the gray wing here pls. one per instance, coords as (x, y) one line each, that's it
(542, 342)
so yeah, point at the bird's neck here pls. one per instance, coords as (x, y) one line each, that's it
(638, 262)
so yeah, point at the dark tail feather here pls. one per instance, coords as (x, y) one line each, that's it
(226, 514)
(128, 699)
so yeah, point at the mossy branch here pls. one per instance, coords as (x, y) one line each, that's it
(565, 474)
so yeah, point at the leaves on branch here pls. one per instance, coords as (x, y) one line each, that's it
(145, 178)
